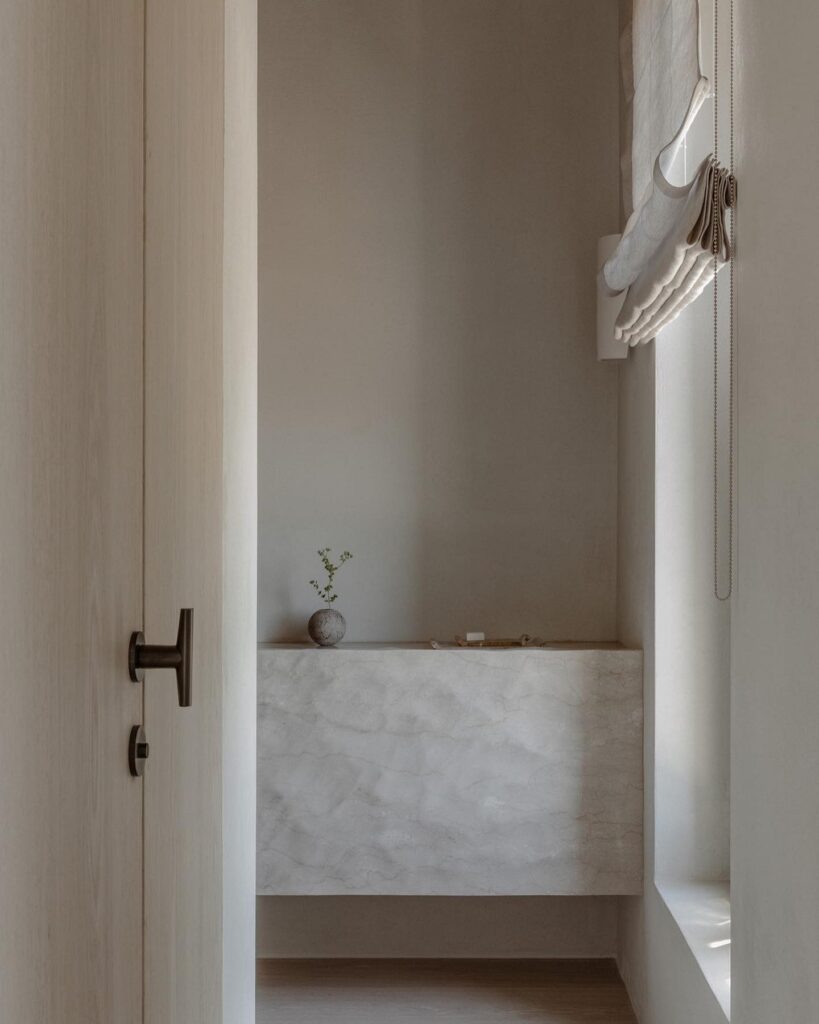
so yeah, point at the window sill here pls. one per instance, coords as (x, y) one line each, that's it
(702, 911)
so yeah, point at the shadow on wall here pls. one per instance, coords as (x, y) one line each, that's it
(429, 396)
(436, 926)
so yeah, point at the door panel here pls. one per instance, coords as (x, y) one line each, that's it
(183, 505)
(71, 84)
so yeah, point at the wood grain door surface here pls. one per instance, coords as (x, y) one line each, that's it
(71, 351)
(184, 201)
(111, 207)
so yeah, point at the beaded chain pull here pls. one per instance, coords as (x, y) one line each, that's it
(725, 596)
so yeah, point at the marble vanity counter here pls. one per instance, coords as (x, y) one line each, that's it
(403, 770)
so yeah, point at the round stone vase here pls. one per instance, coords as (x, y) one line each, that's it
(326, 627)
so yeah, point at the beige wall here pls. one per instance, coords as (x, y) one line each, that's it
(434, 175)
(437, 926)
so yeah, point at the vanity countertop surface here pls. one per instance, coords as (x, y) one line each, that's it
(425, 645)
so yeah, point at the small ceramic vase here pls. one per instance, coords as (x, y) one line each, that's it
(326, 627)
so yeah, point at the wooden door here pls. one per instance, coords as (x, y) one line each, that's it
(113, 511)
(71, 292)
(183, 505)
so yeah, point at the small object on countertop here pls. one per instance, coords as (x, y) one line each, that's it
(524, 640)
(473, 638)
(326, 627)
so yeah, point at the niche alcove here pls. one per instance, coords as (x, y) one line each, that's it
(433, 179)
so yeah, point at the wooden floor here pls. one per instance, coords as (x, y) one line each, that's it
(441, 992)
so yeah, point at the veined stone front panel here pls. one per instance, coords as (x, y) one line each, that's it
(412, 771)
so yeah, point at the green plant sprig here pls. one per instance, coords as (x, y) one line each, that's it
(327, 593)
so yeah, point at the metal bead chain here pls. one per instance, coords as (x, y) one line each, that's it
(731, 313)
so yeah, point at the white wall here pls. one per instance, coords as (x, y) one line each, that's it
(665, 561)
(775, 714)
(434, 175)
(774, 760)
(692, 629)
(666, 605)
(239, 382)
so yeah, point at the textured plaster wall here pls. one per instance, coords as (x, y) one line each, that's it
(434, 175)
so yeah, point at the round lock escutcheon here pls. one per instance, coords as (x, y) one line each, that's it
(138, 750)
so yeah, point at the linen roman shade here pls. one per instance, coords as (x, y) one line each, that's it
(666, 256)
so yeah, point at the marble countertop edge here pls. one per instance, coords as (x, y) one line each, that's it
(556, 645)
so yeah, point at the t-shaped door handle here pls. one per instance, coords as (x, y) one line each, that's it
(142, 656)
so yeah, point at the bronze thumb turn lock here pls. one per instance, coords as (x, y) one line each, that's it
(138, 751)
(178, 657)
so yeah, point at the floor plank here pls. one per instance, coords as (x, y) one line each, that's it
(438, 991)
